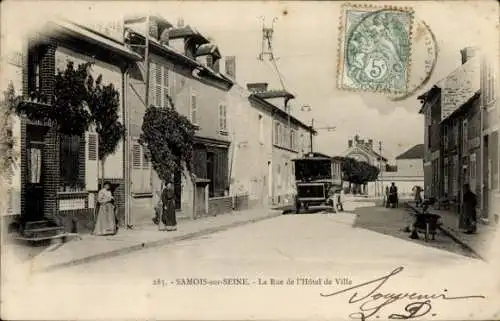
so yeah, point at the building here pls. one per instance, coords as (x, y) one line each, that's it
(58, 177)
(362, 150)
(286, 138)
(461, 134)
(409, 170)
(183, 66)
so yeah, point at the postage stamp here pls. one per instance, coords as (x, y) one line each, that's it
(374, 48)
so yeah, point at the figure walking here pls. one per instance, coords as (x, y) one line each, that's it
(106, 219)
(168, 217)
(469, 210)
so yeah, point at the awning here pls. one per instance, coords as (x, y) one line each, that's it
(459, 87)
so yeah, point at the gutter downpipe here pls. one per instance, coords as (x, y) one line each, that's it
(126, 115)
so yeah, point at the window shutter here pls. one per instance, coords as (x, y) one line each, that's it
(91, 161)
(136, 156)
(152, 86)
(146, 171)
(158, 85)
(166, 91)
(194, 107)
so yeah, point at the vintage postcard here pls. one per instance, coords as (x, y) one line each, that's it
(235, 160)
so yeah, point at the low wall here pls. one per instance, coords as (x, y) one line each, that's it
(220, 205)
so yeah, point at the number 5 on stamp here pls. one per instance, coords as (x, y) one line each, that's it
(374, 48)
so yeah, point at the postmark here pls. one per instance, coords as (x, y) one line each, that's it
(374, 48)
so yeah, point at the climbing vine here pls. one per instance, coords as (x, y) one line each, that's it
(169, 139)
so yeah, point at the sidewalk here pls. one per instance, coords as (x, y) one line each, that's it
(91, 248)
(479, 243)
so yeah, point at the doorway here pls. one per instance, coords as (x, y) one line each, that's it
(211, 173)
(34, 178)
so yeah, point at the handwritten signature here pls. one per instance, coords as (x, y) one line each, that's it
(374, 300)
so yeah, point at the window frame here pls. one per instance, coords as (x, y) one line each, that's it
(193, 111)
(223, 118)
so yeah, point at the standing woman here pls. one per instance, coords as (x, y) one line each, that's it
(168, 215)
(105, 223)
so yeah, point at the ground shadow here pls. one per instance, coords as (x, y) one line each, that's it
(394, 222)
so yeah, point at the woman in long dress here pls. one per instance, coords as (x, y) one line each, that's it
(106, 222)
(168, 217)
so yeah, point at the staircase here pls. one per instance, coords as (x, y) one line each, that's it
(41, 230)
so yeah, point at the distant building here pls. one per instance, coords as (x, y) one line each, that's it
(409, 170)
(362, 150)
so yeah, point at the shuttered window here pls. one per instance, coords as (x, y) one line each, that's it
(136, 156)
(70, 161)
(92, 147)
(141, 169)
(194, 108)
(159, 85)
(222, 117)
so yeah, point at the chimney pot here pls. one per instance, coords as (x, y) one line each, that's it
(349, 143)
(257, 87)
(467, 54)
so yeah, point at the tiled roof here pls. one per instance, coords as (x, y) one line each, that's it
(416, 152)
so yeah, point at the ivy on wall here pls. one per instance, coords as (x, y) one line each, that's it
(169, 139)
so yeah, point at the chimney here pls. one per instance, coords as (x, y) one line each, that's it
(356, 138)
(361, 141)
(467, 54)
(349, 143)
(231, 66)
(180, 23)
(258, 87)
(370, 143)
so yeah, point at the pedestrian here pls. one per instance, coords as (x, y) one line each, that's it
(168, 217)
(393, 195)
(469, 210)
(387, 196)
(157, 206)
(417, 194)
(340, 197)
(106, 223)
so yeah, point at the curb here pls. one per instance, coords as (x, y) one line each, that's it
(448, 232)
(141, 246)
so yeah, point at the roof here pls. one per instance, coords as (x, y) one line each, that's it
(371, 151)
(75, 30)
(416, 152)
(275, 94)
(276, 109)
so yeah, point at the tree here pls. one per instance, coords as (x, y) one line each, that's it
(169, 139)
(104, 104)
(358, 172)
(7, 141)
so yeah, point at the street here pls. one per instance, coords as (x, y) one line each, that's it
(247, 272)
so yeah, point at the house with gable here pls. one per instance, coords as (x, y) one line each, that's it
(362, 150)
(409, 170)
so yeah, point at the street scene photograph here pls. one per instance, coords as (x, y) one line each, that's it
(235, 160)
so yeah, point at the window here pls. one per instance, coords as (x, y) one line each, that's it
(261, 128)
(159, 78)
(445, 136)
(429, 136)
(223, 117)
(445, 176)
(465, 137)
(472, 172)
(276, 133)
(70, 179)
(489, 86)
(34, 59)
(141, 169)
(194, 108)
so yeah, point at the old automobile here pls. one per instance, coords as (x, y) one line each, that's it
(317, 179)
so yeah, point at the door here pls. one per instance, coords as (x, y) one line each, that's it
(211, 173)
(34, 184)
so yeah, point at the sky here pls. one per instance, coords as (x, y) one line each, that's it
(305, 42)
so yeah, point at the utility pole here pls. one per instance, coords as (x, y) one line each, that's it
(380, 168)
(311, 134)
(267, 39)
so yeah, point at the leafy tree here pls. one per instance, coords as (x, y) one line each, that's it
(7, 141)
(358, 173)
(169, 138)
(104, 104)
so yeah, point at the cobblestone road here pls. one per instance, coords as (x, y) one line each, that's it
(393, 221)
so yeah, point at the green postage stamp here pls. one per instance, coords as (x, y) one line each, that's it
(374, 48)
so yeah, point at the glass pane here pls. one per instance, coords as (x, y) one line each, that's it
(35, 165)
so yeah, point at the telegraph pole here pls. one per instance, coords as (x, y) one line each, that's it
(267, 39)
(311, 134)
(380, 168)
